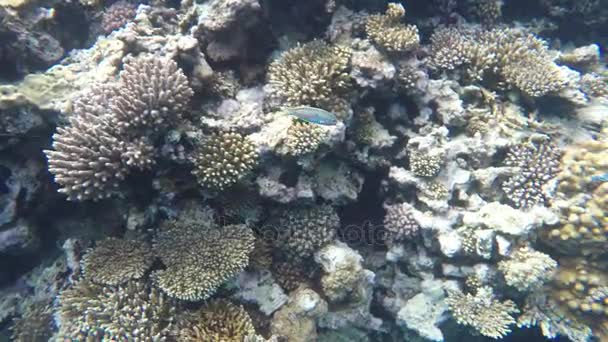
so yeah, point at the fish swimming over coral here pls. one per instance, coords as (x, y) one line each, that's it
(600, 178)
(313, 115)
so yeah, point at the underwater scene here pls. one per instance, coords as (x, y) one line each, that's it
(303, 171)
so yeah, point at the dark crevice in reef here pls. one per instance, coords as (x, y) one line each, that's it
(361, 221)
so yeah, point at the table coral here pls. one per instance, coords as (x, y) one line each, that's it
(114, 261)
(199, 256)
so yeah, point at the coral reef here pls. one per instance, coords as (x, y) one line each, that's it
(114, 261)
(117, 15)
(219, 320)
(199, 256)
(489, 316)
(527, 269)
(387, 31)
(132, 311)
(223, 159)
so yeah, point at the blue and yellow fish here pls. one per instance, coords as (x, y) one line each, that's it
(313, 115)
(600, 178)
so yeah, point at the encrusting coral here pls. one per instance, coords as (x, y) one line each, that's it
(223, 159)
(199, 256)
(537, 163)
(583, 203)
(303, 230)
(313, 74)
(482, 311)
(114, 261)
(129, 312)
(387, 31)
(527, 269)
(219, 320)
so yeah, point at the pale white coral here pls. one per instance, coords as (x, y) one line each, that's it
(527, 269)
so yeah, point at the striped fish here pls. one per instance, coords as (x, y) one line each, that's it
(600, 178)
(313, 115)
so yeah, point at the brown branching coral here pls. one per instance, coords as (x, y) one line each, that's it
(387, 31)
(152, 94)
(303, 138)
(129, 312)
(117, 15)
(114, 261)
(521, 60)
(482, 311)
(304, 230)
(108, 132)
(199, 256)
(35, 324)
(527, 269)
(538, 163)
(400, 223)
(223, 159)
(90, 160)
(218, 321)
(314, 74)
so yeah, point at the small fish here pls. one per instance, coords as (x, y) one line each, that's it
(600, 178)
(313, 115)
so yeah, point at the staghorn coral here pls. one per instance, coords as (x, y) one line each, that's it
(538, 163)
(387, 31)
(199, 256)
(117, 16)
(527, 269)
(129, 312)
(219, 320)
(400, 223)
(152, 94)
(303, 138)
(114, 261)
(35, 324)
(425, 164)
(314, 74)
(223, 159)
(482, 311)
(304, 230)
(488, 11)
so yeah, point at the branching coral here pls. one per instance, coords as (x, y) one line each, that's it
(538, 163)
(129, 312)
(117, 15)
(304, 230)
(289, 275)
(35, 324)
(387, 31)
(219, 320)
(483, 312)
(90, 160)
(400, 223)
(114, 261)
(425, 164)
(488, 11)
(152, 94)
(522, 60)
(107, 134)
(594, 85)
(223, 159)
(313, 74)
(200, 256)
(303, 138)
(527, 269)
